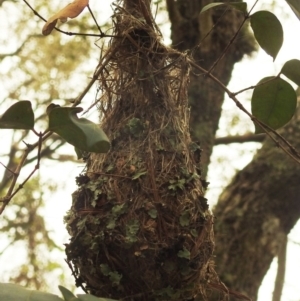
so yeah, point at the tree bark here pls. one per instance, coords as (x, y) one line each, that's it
(256, 212)
(205, 36)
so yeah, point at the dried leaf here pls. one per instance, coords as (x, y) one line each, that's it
(72, 10)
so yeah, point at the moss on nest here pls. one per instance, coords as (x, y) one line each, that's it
(139, 224)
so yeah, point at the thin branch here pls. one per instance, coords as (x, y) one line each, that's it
(247, 16)
(42, 137)
(12, 172)
(290, 150)
(98, 71)
(252, 87)
(279, 282)
(101, 33)
(68, 32)
(222, 287)
(240, 139)
(10, 193)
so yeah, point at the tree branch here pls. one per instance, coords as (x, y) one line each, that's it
(279, 282)
(281, 142)
(240, 139)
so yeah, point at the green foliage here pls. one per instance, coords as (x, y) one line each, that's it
(273, 102)
(114, 277)
(80, 132)
(14, 292)
(25, 224)
(291, 69)
(132, 229)
(68, 295)
(185, 218)
(184, 254)
(267, 31)
(19, 116)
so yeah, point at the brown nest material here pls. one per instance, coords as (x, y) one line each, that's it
(139, 224)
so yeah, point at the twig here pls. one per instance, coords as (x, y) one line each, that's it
(101, 35)
(279, 282)
(252, 87)
(95, 77)
(10, 194)
(240, 139)
(231, 40)
(12, 172)
(292, 152)
(42, 137)
(222, 287)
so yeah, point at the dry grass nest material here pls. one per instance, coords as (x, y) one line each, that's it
(139, 224)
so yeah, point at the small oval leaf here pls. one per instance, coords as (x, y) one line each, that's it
(242, 6)
(18, 117)
(273, 103)
(80, 132)
(267, 31)
(291, 69)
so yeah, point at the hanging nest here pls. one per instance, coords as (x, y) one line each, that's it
(139, 224)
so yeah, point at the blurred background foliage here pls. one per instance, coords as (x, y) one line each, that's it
(42, 70)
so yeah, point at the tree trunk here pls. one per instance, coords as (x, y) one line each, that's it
(206, 36)
(255, 213)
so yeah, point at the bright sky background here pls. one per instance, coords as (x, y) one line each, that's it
(246, 73)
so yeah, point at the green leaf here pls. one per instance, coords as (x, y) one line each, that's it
(19, 116)
(242, 6)
(68, 295)
(138, 174)
(267, 31)
(111, 224)
(93, 298)
(295, 6)
(152, 213)
(273, 103)
(132, 229)
(291, 69)
(14, 292)
(114, 277)
(184, 219)
(185, 253)
(79, 153)
(117, 210)
(80, 132)
(105, 269)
